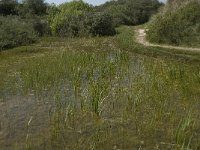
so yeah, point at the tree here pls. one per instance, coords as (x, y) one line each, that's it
(140, 11)
(130, 12)
(67, 21)
(8, 7)
(98, 24)
(37, 7)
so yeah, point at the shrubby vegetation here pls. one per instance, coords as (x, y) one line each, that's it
(22, 23)
(37, 7)
(68, 19)
(99, 23)
(130, 12)
(178, 24)
(8, 7)
(79, 19)
(15, 31)
(71, 19)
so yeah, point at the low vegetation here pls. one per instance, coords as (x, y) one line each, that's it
(178, 24)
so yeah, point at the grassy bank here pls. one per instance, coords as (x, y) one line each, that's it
(126, 40)
(99, 93)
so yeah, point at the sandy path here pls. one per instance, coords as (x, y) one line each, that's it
(141, 38)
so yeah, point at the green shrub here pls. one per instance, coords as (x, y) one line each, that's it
(33, 7)
(52, 11)
(8, 7)
(78, 19)
(180, 27)
(130, 12)
(15, 32)
(116, 11)
(98, 24)
(66, 21)
(70, 26)
(40, 25)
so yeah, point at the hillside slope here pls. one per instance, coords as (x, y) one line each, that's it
(178, 23)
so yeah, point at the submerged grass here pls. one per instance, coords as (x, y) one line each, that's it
(99, 93)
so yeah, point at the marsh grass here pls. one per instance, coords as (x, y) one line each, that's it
(100, 95)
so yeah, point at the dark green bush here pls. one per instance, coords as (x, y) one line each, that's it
(130, 12)
(15, 32)
(40, 25)
(33, 7)
(8, 7)
(180, 27)
(98, 24)
(117, 11)
(70, 26)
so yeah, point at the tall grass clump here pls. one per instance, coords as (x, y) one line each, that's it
(176, 24)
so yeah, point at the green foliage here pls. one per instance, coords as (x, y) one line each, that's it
(66, 21)
(98, 24)
(78, 19)
(25, 22)
(180, 27)
(8, 7)
(129, 12)
(40, 25)
(140, 11)
(75, 7)
(15, 31)
(52, 11)
(37, 7)
(26, 8)
(117, 12)
(69, 26)
(34, 11)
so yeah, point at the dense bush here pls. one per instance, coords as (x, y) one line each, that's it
(130, 12)
(179, 27)
(40, 25)
(27, 7)
(32, 7)
(52, 11)
(117, 11)
(66, 22)
(78, 19)
(69, 26)
(8, 7)
(21, 23)
(15, 32)
(98, 24)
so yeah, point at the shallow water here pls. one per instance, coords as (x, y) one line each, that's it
(16, 113)
(116, 101)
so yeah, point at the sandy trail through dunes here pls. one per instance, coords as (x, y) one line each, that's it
(141, 38)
